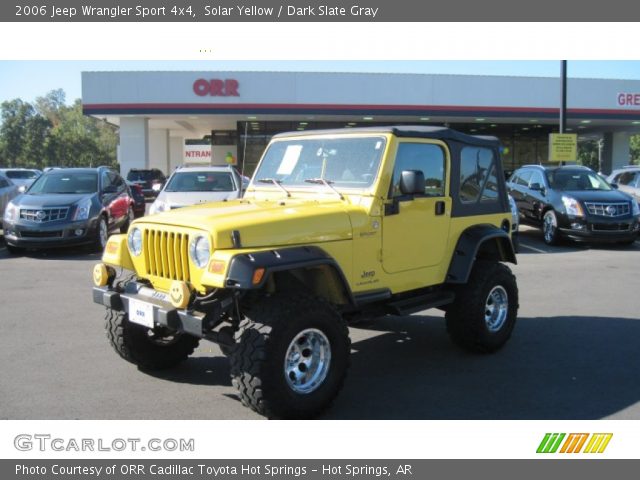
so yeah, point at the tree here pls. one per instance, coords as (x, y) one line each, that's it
(15, 117)
(588, 154)
(52, 133)
(634, 149)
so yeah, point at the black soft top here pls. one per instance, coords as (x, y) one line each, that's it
(411, 131)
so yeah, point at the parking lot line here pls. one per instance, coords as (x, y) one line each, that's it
(523, 245)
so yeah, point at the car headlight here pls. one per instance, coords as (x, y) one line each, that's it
(200, 251)
(82, 210)
(515, 215)
(134, 239)
(157, 207)
(635, 207)
(156, 187)
(22, 188)
(11, 212)
(572, 206)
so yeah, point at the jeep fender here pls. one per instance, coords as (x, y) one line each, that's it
(327, 279)
(486, 242)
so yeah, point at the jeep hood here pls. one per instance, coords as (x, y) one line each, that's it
(262, 223)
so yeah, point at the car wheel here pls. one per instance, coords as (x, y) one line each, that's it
(102, 235)
(291, 356)
(150, 349)
(130, 216)
(484, 313)
(550, 228)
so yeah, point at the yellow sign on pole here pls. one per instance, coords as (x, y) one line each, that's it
(563, 147)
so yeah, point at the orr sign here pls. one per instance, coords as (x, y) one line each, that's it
(216, 87)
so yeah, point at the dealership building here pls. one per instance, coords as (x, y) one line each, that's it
(160, 114)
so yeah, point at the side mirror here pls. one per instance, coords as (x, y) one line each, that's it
(109, 189)
(412, 182)
(614, 186)
(536, 187)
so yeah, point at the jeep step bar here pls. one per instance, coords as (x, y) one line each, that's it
(410, 305)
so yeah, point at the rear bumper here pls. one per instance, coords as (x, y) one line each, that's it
(164, 314)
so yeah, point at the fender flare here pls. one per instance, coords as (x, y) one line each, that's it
(242, 266)
(470, 243)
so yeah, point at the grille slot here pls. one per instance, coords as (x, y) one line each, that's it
(611, 227)
(43, 215)
(166, 254)
(608, 209)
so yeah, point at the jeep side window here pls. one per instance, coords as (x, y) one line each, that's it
(425, 157)
(478, 181)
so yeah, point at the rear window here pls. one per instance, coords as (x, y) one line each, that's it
(141, 175)
(21, 174)
(478, 181)
(201, 182)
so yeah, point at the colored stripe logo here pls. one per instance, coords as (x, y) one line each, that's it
(574, 443)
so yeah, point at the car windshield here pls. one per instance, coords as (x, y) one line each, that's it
(21, 174)
(65, 182)
(140, 175)
(342, 162)
(576, 180)
(201, 182)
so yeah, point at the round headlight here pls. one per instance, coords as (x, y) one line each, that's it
(200, 251)
(135, 241)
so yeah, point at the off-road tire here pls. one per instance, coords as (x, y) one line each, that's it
(263, 339)
(132, 342)
(465, 318)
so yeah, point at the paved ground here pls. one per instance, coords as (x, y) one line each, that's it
(574, 353)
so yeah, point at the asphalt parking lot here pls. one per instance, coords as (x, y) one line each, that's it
(574, 353)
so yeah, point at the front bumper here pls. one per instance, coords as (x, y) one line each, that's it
(57, 234)
(164, 314)
(600, 229)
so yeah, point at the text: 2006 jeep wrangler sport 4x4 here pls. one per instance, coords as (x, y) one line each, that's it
(334, 224)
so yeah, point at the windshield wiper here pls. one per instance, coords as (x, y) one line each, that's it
(275, 182)
(322, 181)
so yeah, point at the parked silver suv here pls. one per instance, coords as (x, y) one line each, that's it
(627, 179)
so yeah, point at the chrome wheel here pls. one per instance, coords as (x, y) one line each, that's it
(549, 227)
(307, 361)
(103, 233)
(496, 308)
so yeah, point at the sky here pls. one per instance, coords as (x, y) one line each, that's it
(30, 79)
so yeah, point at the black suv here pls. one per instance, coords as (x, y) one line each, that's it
(150, 180)
(574, 202)
(68, 206)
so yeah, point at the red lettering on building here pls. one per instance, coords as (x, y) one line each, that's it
(216, 87)
(629, 99)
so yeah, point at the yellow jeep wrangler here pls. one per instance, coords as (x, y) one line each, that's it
(335, 224)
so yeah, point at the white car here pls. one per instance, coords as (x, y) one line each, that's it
(22, 177)
(194, 185)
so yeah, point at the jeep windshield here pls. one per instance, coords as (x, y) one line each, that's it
(343, 162)
(575, 180)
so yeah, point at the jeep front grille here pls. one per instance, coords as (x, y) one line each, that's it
(166, 254)
(608, 209)
(42, 215)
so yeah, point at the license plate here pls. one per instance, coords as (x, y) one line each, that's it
(141, 313)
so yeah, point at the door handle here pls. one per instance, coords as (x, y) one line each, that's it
(440, 207)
